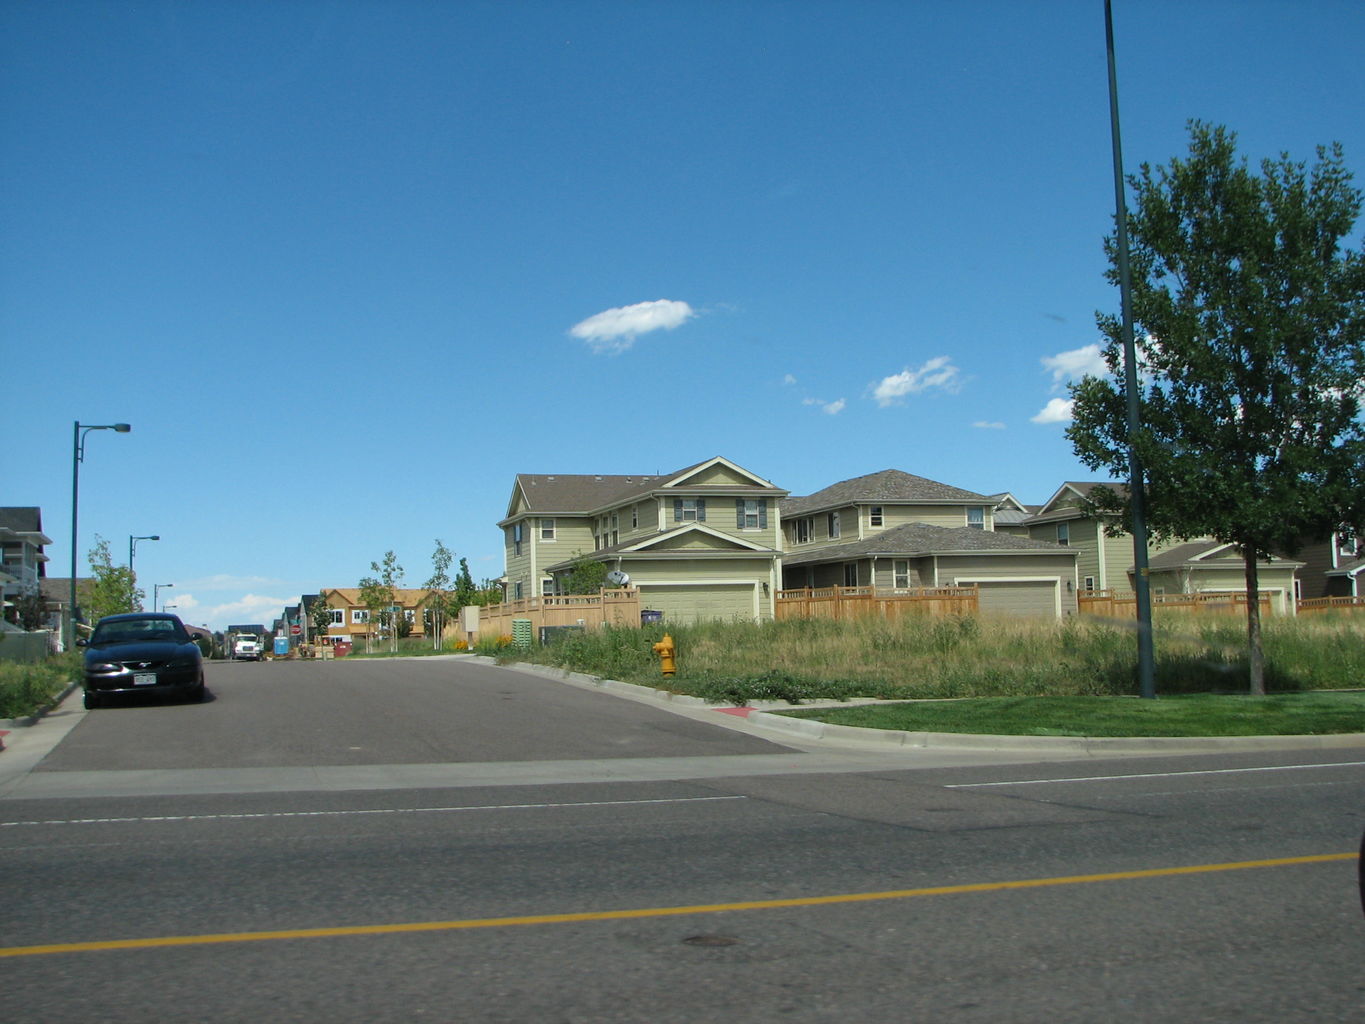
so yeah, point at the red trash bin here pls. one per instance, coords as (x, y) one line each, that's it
(341, 648)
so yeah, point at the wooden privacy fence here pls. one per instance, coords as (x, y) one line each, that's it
(617, 607)
(853, 602)
(1332, 604)
(1123, 603)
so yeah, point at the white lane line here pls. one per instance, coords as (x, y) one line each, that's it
(1158, 775)
(365, 811)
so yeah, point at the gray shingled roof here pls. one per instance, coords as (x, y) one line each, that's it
(1188, 554)
(21, 518)
(576, 494)
(890, 485)
(916, 539)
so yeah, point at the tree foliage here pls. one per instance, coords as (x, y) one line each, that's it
(585, 576)
(438, 585)
(111, 589)
(379, 594)
(1249, 314)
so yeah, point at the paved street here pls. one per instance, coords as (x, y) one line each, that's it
(443, 840)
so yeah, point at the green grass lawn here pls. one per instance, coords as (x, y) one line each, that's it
(1291, 714)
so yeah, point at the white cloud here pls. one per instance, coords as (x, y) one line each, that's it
(938, 372)
(789, 380)
(1079, 362)
(1057, 410)
(615, 330)
(248, 608)
(223, 581)
(989, 425)
(833, 408)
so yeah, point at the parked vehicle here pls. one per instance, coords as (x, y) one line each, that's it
(246, 647)
(141, 652)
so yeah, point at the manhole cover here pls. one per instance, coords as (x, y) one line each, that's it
(710, 940)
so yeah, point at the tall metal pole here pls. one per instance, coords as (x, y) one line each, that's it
(1136, 486)
(70, 632)
(77, 457)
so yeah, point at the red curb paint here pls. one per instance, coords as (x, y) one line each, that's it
(742, 712)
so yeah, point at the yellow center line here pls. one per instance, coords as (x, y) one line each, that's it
(643, 912)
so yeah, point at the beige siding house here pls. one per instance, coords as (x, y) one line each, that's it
(701, 543)
(896, 531)
(1199, 566)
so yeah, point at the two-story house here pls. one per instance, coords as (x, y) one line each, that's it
(22, 561)
(349, 617)
(1177, 567)
(896, 531)
(700, 543)
(1333, 568)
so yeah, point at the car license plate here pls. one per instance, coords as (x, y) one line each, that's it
(144, 678)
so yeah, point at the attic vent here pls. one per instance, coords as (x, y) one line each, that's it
(549, 478)
(598, 479)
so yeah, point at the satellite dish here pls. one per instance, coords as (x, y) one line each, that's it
(618, 578)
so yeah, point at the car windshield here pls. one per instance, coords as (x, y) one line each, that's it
(135, 630)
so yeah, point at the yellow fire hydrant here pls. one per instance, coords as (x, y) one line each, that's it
(664, 649)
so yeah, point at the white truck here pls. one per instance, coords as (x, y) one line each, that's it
(246, 647)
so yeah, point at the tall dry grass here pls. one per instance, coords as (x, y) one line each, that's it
(967, 656)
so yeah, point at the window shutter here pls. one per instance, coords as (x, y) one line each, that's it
(763, 513)
(677, 510)
(739, 513)
(701, 510)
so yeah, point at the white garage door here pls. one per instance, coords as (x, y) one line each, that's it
(699, 603)
(1022, 598)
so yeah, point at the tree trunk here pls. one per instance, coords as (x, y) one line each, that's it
(1256, 655)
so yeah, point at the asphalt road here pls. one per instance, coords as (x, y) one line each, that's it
(439, 840)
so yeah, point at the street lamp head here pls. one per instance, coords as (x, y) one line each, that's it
(123, 428)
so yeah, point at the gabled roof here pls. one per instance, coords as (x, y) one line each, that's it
(660, 543)
(584, 494)
(407, 598)
(24, 519)
(887, 487)
(1198, 554)
(1064, 499)
(915, 540)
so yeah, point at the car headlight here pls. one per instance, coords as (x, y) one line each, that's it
(103, 667)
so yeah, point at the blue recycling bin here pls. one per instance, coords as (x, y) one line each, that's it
(648, 615)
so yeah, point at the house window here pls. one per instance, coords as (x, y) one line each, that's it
(1064, 534)
(615, 529)
(874, 516)
(901, 572)
(1088, 585)
(976, 517)
(751, 513)
(850, 574)
(635, 517)
(833, 525)
(689, 510)
(410, 615)
(547, 587)
(359, 616)
(517, 591)
(1348, 547)
(547, 529)
(516, 538)
(336, 617)
(805, 530)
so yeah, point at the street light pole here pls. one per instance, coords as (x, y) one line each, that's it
(1136, 485)
(132, 577)
(77, 457)
(157, 588)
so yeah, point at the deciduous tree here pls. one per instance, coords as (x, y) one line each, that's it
(1249, 309)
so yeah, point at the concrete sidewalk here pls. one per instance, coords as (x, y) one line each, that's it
(759, 720)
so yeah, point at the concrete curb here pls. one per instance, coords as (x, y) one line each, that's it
(761, 719)
(42, 712)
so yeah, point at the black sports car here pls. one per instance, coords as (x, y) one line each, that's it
(142, 652)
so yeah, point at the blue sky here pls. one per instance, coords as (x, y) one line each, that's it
(348, 267)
